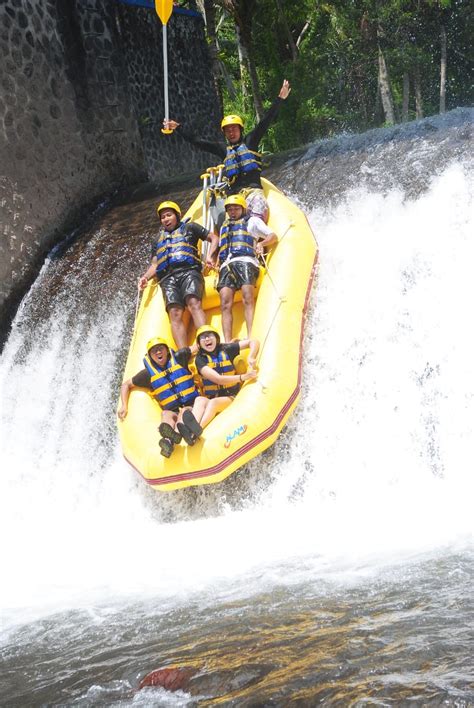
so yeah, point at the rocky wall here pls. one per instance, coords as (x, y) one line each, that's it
(192, 99)
(80, 94)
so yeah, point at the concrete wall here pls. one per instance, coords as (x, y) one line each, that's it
(80, 111)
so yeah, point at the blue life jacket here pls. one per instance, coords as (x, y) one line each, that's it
(221, 364)
(240, 159)
(235, 240)
(173, 385)
(173, 249)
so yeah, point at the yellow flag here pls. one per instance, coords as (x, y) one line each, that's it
(164, 8)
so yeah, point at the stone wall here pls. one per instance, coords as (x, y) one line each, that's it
(192, 99)
(80, 110)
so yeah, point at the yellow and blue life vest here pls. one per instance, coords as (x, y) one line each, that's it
(173, 385)
(235, 240)
(219, 361)
(240, 159)
(173, 249)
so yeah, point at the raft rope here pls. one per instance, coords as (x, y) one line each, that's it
(265, 263)
(135, 321)
(281, 300)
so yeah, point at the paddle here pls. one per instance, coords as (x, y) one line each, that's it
(164, 8)
(205, 179)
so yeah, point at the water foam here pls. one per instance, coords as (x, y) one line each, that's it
(375, 464)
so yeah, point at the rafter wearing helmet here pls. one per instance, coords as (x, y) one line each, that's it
(176, 264)
(167, 378)
(239, 152)
(220, 380)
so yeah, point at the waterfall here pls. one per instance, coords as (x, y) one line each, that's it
(376, 461)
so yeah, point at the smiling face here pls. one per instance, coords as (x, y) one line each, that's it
(233, 133)
(169, 219)
(159, 354)
(208, 341)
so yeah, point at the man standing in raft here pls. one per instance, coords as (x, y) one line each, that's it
(221, 383)
(242, 161)
(167, 376)
(178, 268)
(238, 264)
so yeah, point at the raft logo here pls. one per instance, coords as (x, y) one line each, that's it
(238, 431)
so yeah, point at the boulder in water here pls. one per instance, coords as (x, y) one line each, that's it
(172, 678)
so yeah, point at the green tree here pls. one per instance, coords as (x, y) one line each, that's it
(352, 65)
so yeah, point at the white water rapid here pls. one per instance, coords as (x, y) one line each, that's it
(374, 467)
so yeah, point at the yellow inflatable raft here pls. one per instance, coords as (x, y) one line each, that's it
(257, 415)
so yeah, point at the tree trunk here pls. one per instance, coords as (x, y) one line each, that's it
(385, 90)
(442, 79)
(246, 43)
(243, 67)
(406, 96)
(359, 85)
(418, 96)
(291, 41)
(242, 12)
(210, 18)
(228, 81)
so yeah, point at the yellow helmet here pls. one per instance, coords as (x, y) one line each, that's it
(169, 205)
(236, 199)
(232, 120)
(207, 328)
(154, 341)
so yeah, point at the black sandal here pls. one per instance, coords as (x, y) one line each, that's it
(166, 446)
(166, 431)
(188, 436)
(190, 422)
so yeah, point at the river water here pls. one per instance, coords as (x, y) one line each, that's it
(337, 568)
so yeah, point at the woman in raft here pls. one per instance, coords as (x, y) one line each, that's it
(221, 383)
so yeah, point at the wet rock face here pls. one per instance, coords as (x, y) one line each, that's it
(80, 93)
(406, 156)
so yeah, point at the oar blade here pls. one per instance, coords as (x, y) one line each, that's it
(164, 8)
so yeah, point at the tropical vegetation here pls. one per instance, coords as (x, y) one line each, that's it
(352, 64)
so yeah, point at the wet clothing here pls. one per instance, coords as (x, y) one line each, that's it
(244, 177)
(181, 358)
(179, 266)
(237, 259)
(241, 162)
(177, 286)
(178, 249)
(235, 240)
(237, 273)
(221, 360)
(172, 384)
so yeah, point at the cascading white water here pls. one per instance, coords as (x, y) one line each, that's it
(375, 463)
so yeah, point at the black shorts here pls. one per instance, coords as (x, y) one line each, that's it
(177, 287)
(237, 273)
(177, 408)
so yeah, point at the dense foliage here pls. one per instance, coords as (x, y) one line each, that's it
(352, 64)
